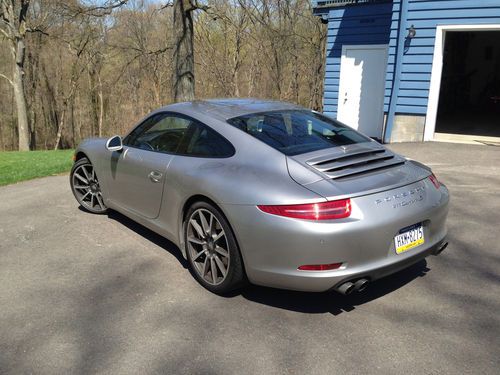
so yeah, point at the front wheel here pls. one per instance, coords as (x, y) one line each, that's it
(211, 248)
(86, 188)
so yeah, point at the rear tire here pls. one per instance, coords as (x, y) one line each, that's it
(85, 187)
(213, 254)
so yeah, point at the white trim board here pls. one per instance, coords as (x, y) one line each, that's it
(437, 69)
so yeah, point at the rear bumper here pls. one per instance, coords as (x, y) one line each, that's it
(324, 281)
(385, 270)
(273, 247)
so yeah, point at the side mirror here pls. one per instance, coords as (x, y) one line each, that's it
(114, 143)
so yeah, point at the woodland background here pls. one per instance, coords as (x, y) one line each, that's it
(95, 68)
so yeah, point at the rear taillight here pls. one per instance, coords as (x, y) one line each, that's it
(320, 267)
(435, 181)
(312, 211)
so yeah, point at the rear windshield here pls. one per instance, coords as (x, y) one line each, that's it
(297, 132)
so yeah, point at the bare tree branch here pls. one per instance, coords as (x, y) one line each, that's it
(37, 30)
(165, 6)
(4, 33)
(196, 5)
(95, 11)
(7, 78)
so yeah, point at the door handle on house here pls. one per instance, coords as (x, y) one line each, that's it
(155, 176)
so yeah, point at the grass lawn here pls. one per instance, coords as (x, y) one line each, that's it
(18, 166)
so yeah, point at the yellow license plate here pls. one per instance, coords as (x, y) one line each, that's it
(409, 238)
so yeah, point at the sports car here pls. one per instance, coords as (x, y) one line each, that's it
(267, 192)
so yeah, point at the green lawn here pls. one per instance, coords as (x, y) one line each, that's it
(18, 166)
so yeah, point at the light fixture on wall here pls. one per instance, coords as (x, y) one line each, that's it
(411, 32)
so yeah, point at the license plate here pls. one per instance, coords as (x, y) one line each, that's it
(409, 237)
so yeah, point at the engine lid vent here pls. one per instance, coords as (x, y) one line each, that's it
(355, 162)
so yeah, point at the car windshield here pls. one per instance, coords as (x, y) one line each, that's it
(296, 132)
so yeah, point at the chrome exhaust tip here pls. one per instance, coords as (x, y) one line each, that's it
(346, 288)
(441, 249)
(361, 285)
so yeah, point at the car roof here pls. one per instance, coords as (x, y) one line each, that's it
(224, 109)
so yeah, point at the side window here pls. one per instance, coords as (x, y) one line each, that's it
(130, 140)
(162, 133)
(205, 142)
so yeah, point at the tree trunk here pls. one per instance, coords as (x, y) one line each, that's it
(13, 17)
(317, 103)
(101, 106)
(2, 144)
(295, 89)
(73, 136)
(20, 96)
(67, 102)
(93, 99)
(236, 65)
(60, 127)
(183, 77)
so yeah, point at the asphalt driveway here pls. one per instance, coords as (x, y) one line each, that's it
(81, 293)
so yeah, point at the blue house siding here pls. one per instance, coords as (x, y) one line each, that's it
(353, 25)
(409, 61)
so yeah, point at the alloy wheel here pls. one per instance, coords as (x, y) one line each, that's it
(208, 246)
(86, 188)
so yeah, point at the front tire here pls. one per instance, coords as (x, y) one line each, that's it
(85, 186)
(212, 251)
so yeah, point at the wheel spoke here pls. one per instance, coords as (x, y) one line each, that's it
(81, 186)
(85, 195)
(197, 228)
(199, 255)
(99, 200)
(92, 201)
(204, 222)
(213, 269)
(210, 225)
(85, 172)
(204, 272)
(195, 240)
(221, 266)
(222, 251)
(81, 178)
(218, 236)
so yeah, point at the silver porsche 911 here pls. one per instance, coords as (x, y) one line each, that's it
(267, 192)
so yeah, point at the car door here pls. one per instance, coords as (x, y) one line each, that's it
(140, 170)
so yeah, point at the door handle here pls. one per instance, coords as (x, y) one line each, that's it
(155, 176)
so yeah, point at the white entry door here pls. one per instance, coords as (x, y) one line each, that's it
(361, 88)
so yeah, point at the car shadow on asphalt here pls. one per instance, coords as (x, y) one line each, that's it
(333, 302)
(148, 234)
(308, 303)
